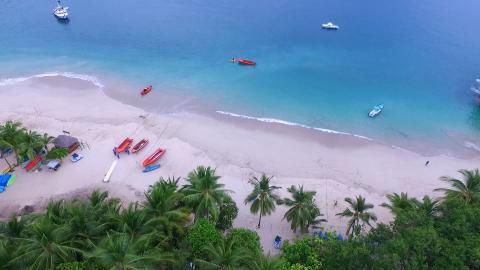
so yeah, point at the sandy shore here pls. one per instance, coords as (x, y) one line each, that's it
(336, 166)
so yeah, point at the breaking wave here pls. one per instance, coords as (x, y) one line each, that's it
(283, 122)
(94, 80)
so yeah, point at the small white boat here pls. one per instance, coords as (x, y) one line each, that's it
(476, 87)
(330, 26)
(110, 171)
(377, 109)
(60, 12)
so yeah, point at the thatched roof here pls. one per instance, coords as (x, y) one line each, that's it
(64, 141)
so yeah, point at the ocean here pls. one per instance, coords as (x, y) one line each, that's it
(419, 58)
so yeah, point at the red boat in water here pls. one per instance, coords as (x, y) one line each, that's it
(139, 146)
(123, 146)
(246, 62)
(154, 157)
(146, 90)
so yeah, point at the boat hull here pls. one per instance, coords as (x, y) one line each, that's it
(139, 146)
(154, 157)
(146, 90)
(123, 146)
(246, 62)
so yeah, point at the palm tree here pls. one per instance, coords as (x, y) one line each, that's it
(400, 203)
(467, 189)
(266, 263)
(429, 206)
(224, 256)
(263, 197)
(164, 203)
(29, 144)
(303, 211)
(45, 140)
(121, 252)
(9, 135)
(45, 246)
(3, 146)
(134, 221)
(357, 214)
(203, 193)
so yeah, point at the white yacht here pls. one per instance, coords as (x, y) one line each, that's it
(376, 110)
(330, 26)
(60, 12)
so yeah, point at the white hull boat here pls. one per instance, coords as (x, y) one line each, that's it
(60, 12)
(376, 110)
(330, 26)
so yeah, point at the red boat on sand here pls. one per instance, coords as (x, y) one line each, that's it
(140, 145)
(154, 157)
(146, 90)
(246, 62)
(123, 146)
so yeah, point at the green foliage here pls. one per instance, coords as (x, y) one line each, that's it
(228, 213)
(57, 153)
(246, 239)
(201, 234)
(358, 214)
(226, 255)
(203, 193)
(303, 211)
(263, 198)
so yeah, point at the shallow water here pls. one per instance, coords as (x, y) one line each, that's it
(418, 58)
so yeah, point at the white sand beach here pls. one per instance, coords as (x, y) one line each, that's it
(335, 166)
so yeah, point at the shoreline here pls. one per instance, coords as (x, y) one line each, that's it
(336, 166)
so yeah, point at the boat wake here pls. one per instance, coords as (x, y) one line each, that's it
(283, 122)
(94, 80)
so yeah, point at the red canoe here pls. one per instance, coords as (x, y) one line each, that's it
(246, 62)
(139, 146)
(33, 163)
(146, 90)
(123, 146)
(154, 157)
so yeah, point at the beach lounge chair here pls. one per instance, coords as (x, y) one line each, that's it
(76, 157)
(277, 242)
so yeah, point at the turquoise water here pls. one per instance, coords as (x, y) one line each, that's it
(419, 58)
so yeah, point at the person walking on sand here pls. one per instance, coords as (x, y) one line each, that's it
(428, 162)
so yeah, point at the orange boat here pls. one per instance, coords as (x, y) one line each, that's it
(139, 146)
(123, 146)
(146, 90)
(246, 62)
(154, 157)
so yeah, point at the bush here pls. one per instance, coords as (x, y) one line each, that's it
(228, 213)
(200, 235)
(247, 239)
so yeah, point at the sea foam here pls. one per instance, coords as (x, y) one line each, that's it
(283, 122)
(94, 80)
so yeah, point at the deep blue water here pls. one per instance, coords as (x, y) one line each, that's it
(419, 58)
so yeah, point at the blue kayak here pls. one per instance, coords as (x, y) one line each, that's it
(151, 168)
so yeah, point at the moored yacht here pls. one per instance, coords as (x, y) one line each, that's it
(60, 12)
(330, 26)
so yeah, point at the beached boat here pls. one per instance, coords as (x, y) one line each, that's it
(146, 90)
(60, 12)
(33, 164)
(123, 146)
(151, 168)
(330, 26)
(377, 109)
(154, 157)
(246, 62)
(110, 171)
(139, 146)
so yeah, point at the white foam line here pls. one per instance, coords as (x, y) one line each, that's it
(283, 122)
(92, 79)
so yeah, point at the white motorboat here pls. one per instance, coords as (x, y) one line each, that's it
(476, 87)
(330, 26)
(377, 109)
(60, 12)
